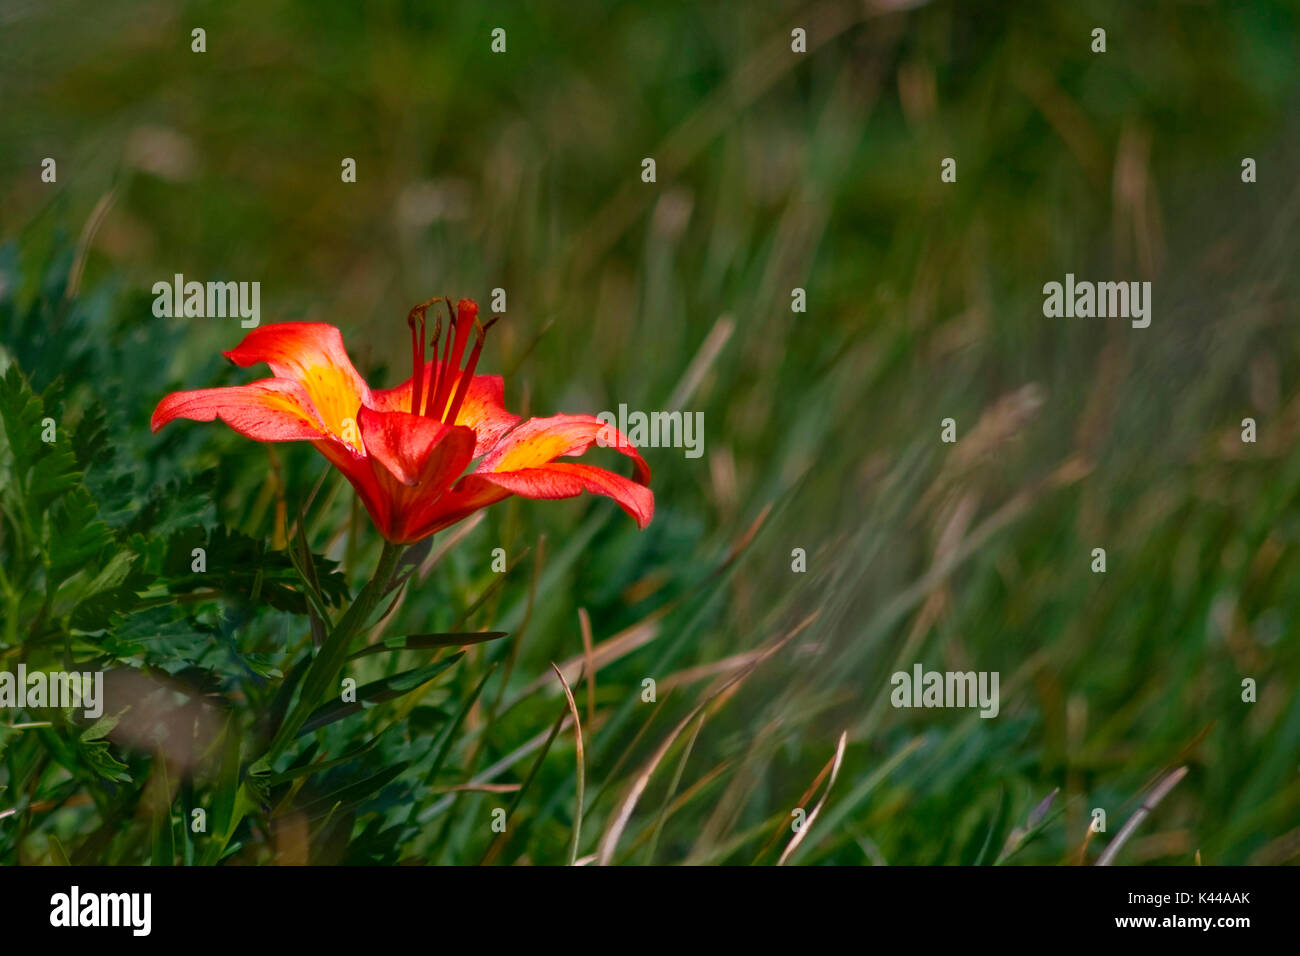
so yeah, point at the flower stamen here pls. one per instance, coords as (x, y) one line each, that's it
(415, 318)
(439, 373)
(480, 333)
(466, 313)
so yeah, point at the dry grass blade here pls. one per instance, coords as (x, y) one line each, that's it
(620, 645)
(1158, 793)
(584, 622)
(618, 822)
(803, 800)
(97, 216)
(834, 766)
(479, 788)
(609, 841)
(708, 353)
(581, 758)
(672, 790)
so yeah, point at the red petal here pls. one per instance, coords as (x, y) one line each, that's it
(523, 463)
(563, 479)
(469, 495)
(411, 447)
(312, 354)
(359, 472)
(274, 409)
(414, 460)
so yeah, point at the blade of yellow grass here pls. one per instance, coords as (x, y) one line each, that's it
(802, 801)
(1158, 793)
(672, 790)
(619, 820)
(681, 800)
(834, 767)
(577, 733)
(608, 651)
(479, 788)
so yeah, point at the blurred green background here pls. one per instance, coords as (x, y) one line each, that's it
(775, 170)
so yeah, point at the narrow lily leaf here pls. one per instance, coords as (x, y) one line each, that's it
(225, 797)
(353, 793)
(386, 688)
(418, 642)
(306, 568)
(313, 768)
(283, 696)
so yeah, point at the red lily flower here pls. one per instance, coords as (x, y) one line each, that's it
(405, 449)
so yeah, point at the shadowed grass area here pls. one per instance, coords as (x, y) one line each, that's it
(775, 171)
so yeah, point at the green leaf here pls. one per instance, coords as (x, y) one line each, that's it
(311, 769)
(420, 642)
(75, 536)
(39, 472)
(163, 631)
(387, 688)
(94, 753)
(228, 803)
(284, 695)
(351, 794)
(240, 566)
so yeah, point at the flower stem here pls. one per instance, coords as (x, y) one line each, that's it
(324, 670)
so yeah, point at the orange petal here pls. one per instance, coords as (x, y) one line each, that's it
(414, 448)
(274, 409)
(312, 354)
(414, 460)
(523, 463)
(562, 479)
(467, 496)
(484, 409)
(542, 440)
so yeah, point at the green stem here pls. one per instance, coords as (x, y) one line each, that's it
(324, 670)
